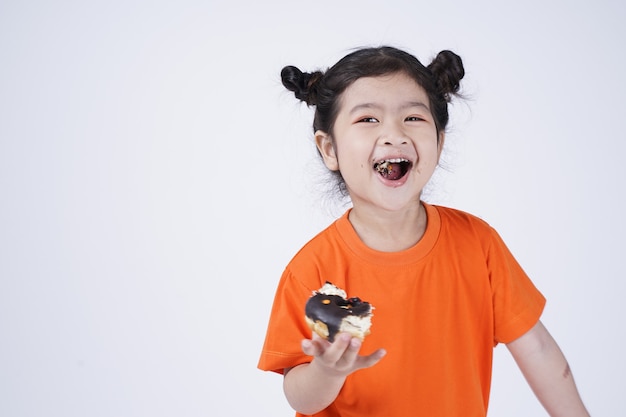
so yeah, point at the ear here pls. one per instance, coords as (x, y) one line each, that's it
(326, 147)
(442, 137)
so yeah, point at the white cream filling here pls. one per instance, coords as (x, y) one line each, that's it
(356, 325)
(330, 289)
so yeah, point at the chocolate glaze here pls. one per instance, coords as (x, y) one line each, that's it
(332, 309)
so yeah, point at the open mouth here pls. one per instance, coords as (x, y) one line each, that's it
(393, 169)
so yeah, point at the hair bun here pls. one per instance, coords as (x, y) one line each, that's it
(303, 84)
(447, 68)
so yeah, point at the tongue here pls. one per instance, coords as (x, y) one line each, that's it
(394, 172)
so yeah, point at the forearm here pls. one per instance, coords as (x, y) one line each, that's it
(309, 389)
(545, 368)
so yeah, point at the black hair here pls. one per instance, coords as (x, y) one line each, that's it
(440, 79)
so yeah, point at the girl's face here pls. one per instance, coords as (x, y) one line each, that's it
(384, 142)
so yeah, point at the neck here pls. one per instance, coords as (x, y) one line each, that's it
(389, 231)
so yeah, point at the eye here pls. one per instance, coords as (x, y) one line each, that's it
(414, 119)
(367, 120)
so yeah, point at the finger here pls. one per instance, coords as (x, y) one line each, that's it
(312, 347)
(337, 349)
(351, 353)
(372, 359)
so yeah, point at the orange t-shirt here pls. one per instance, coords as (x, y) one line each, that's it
(440, 308)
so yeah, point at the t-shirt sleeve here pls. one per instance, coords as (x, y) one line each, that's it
(287, 327)
(517, 303)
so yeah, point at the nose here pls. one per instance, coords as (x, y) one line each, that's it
(396, 141)
(394, 135)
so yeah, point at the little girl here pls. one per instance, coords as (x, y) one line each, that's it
(444, 286)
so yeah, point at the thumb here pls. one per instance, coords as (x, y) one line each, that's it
(372, 359)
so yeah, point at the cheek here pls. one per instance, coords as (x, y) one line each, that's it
(429, 156)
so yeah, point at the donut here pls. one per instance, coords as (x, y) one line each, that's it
(328, 312)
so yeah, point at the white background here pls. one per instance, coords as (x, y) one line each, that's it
(155, 178)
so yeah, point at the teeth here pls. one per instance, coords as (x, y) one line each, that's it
(392, 161)
(384, 164)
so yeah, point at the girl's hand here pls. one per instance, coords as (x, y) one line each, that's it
(341, 357)
(311, 387)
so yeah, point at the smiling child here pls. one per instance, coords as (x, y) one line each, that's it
(445, 286)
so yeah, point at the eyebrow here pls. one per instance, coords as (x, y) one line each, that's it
(376, 106)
